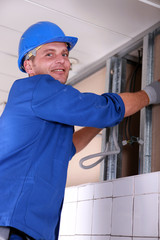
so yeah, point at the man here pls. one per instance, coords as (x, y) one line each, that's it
(37, 137)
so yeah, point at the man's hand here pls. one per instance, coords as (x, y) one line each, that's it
(153, 92)
(136, 101)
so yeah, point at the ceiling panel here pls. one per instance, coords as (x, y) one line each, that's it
(9, 41)
(6, 82)
(9, 66)
(121, 16)
(3, 96)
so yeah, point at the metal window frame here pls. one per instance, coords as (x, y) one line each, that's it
(109, 166)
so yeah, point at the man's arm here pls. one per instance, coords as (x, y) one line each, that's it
(82, 137)
(133, 103)
(136, 101)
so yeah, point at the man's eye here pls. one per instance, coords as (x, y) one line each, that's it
(65, 54)
(49, 54)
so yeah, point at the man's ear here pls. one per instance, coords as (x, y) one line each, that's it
(28, 67)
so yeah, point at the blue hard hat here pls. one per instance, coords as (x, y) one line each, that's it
(41, 33)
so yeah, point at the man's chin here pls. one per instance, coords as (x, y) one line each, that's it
(61, 79)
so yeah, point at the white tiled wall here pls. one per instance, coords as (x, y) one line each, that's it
(85, 192)
(68, 216)
(122, 209)
(101, 220)
(122, 216)
(146, 215)
(84, 217)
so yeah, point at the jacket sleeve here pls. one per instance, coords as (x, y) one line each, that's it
(61, 103)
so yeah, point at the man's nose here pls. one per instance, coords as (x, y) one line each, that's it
(59, 58)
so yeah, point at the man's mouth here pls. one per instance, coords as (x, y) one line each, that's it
(58, 70)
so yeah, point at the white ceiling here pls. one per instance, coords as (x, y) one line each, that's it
(100, 25)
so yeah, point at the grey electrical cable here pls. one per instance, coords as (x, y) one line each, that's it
(103, 154)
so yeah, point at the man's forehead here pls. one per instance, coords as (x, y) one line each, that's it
(54, 45)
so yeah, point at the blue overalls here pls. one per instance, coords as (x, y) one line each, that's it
(36, 130)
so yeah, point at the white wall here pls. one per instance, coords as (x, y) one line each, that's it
(76, 175)
(2, 106)
(122, 209)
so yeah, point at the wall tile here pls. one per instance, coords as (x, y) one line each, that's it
(82, 237)
(74, 237)
(159, 182)
(84, 217)
(145, 238)
(146, 183)
(123, 187)
(121, 238)
(102, 209)
(100, 238)
(146, 215)
(68, 219)
(159, 214)
(67, 238)
(122, 216)
(85, 192)
(102, 190)
(71, 194)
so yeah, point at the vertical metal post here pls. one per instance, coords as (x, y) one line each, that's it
(104, 132)
(145, 150)
(115, 86)
(115, 73)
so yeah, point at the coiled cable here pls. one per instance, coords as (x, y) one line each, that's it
(101, 154)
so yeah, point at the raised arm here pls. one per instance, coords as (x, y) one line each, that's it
(133, 103)
(136, 101)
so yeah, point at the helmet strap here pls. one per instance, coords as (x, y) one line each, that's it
(32, 53)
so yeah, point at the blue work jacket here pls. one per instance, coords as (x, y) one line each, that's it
(36, 130)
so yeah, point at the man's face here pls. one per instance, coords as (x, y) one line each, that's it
(51, 58)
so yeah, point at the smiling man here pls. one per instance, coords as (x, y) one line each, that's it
(37, 137)
(51, 58)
